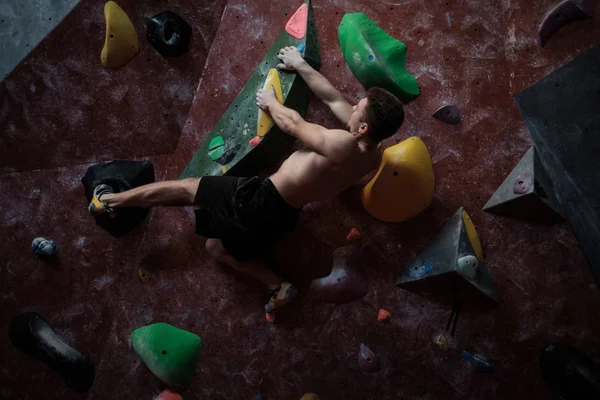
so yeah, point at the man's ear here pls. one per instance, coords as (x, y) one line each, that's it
(363, 128)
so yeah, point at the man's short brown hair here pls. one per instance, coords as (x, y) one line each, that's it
(384, 114)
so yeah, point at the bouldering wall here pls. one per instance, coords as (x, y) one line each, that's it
(473, 54)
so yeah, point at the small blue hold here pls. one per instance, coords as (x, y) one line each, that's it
(371, 57)
(417, 272)
(44, 247)
(476, 363)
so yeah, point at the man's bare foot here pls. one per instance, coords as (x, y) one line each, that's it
(97, 206)
(286, 293)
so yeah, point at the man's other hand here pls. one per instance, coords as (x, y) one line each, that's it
(290, 57)
(264, 98)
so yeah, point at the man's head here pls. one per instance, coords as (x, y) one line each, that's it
(378, 115)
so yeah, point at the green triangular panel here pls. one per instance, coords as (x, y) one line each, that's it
(238, 124)
(438, 262)
(376, 58)
(169, 352)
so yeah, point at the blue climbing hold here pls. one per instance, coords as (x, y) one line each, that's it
(370, 57)
(44, 247)
(476, 363)
(417, 272)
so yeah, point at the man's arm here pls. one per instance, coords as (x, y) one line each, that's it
(336, 148)
(292, 61)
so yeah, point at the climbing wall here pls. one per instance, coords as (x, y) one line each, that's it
(58, 116)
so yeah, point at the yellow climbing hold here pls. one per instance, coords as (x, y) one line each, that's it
(121, 42)
(309, 396)
(473, 236)
(404, 184)
(264, 119)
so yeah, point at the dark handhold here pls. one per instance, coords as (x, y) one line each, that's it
(229, 154)
(121, 176)
(478, 364)
(367, 360)
(43, 247)
(344, 284)
(523, 183)
(33, 335)
(562, 14)
(448, 114)
(169, 34)
(570, 374)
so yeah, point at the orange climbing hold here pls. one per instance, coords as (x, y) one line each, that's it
(383, 315)
(296, 26)
(270, 317)
(353, 235)
(255, 141)
(168, 395)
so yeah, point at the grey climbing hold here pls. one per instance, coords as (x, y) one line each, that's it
(418, 271)
(43, 247)
(448, 114)
(367, 360)
(562, 14)
(468, 266)
(523, 183)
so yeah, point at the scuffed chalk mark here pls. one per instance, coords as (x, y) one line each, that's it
(448, 152)
(448, 14)
(103, 282)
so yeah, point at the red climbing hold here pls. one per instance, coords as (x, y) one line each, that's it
(270, 317)
(383, 315)
(296, 26)
(255, 141)
(353, 235)
(168, 395)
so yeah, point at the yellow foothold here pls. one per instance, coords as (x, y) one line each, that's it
(223, 169)
(121, 42)
(309, 396)
(264, 119)
(404, 184)
(442, 342)
(473, 236)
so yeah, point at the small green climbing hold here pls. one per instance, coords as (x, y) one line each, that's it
(216, 148)
(169, 352)
(376, 58)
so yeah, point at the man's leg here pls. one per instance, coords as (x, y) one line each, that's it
(167, 193)
(282, 292)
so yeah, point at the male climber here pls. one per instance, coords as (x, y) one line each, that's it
(243, 217)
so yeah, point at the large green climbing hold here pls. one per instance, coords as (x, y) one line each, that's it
(169, 352)
(376, 58)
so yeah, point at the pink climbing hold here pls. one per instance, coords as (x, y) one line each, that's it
(383, 315)
(270, 317)
(168, 395)
(255, 141)
(296, 26)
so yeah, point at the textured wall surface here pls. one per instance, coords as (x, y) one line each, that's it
(475, 54)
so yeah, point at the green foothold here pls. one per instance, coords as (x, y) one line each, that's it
(376, 58)
(216, 148)
(169, 352)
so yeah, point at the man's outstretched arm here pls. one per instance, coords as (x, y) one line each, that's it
(292, 61)
(336, 148)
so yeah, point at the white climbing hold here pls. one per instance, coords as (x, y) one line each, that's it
(468, 266)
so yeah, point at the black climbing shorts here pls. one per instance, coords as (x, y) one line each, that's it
(247, 214)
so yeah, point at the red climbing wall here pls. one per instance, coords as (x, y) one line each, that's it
(472, 53)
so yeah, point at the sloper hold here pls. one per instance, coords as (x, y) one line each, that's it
(265, 122)
(448, 114)
(33, 335)
(526, 193)
(169, 352)
(237, 122)
(562, 14)
(569, 373)
(443, 279)
(367, 360)
(376, 58)
(344, 284)
(121, 42)
(169, 34)
(121, 176)
(296, 25)
(404, 185)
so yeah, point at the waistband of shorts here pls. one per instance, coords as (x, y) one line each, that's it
(284, 204)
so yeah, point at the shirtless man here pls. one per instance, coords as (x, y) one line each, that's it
(244, 217)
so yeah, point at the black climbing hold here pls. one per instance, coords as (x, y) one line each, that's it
(570, 374)
(229, 154)
(344, 284)
(523, 182)
(33, 335)
(367, 360)
(562, 14)
(169, 34)
(121, 176)
(448, 114)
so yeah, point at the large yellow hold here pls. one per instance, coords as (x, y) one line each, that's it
(404, 184)
(121, 42)
(264, 119)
